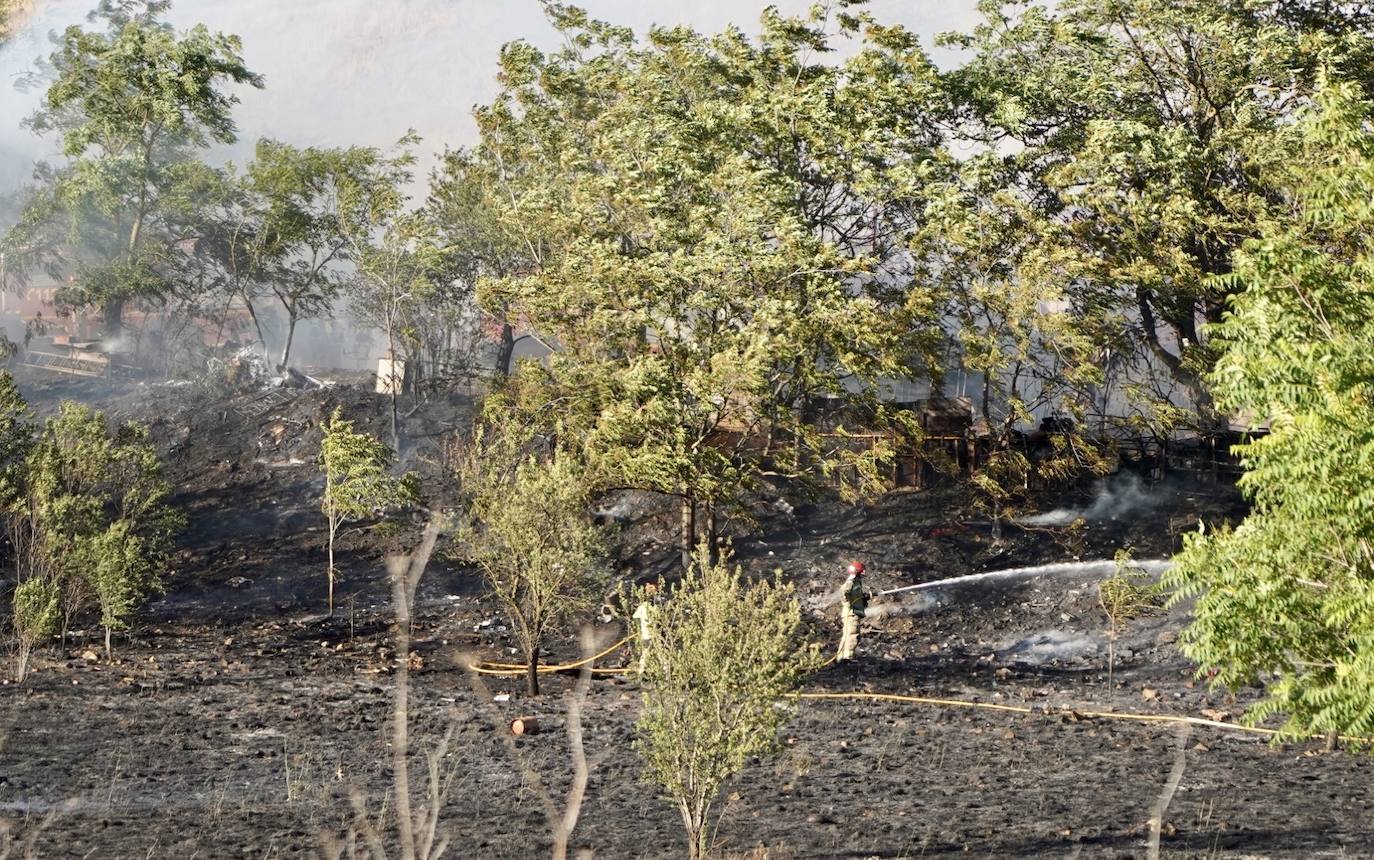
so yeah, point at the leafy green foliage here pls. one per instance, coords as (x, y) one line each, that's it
(35, 609)
(1133, 142)
(16, 440)
(529, 531)
(463, 206)
(1126, 594)
(1290, 591)
(357, 481)
(708, 227)
(9, 13)
(36, 615)
(725, 652)
(403, 270)
(277, 232)
(86, 508)
(97, 502)
(131, 106)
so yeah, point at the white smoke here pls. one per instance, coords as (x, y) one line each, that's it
(345, 72)
(1114, 500)
(1048, 646)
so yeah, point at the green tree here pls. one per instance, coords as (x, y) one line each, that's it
(1025, 352)
(400, 262)
(1134, 139)
(16, 440)
(131, 107)
(529, 531)
(97, 514)
(724, 654)
(1289, 593)
(10, 11)
(714, 237)
(357, 481)
(465, 212)
(297, 218)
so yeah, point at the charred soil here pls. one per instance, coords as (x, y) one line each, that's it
(238, 720)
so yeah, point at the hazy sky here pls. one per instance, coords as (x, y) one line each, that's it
(363, 71)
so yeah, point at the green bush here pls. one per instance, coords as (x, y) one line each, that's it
(725, 652)
(36, 616)
(357, 481)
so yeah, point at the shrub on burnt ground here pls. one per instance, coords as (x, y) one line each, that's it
(724, 654)
(1286, 596)
(85, 506)
(357, 480)
(1127, 594)
(529, 530)
(36, 613)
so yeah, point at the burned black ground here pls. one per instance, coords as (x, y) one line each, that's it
(237, 720)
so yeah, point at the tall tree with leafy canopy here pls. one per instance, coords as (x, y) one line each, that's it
(465, 211)
(401, 263)
(1140, 133)
(131, 106)
(711, 226)
(1290, 591)
(302, 221)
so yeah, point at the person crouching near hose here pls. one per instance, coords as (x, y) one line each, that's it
(853, 604)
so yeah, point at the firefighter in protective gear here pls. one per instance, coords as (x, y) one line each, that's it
(853, 604)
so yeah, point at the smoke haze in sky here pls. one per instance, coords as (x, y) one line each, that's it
(341, 72)
(363, 71)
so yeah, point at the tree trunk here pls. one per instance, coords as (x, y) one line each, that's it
(414, 378)
(109, 652)
(332, 529)
(257, 324)
(712, 532)
(113, 317)
(21, 670)
(689, 529)
(1190, 379)
(696, 833)
(400, 729)
(532, 671)
(505, 351)
(392, 386)
(290, 336)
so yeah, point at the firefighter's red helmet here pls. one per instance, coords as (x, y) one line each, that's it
(856, 568)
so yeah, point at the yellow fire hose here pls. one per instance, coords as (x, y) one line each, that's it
(511, 669)
(518, 669)
(1067, 712)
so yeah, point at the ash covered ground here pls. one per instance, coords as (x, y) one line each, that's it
(238, 721)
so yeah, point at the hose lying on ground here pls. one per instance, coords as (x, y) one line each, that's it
(1068, 712)
(512, 669)
(519, 669)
